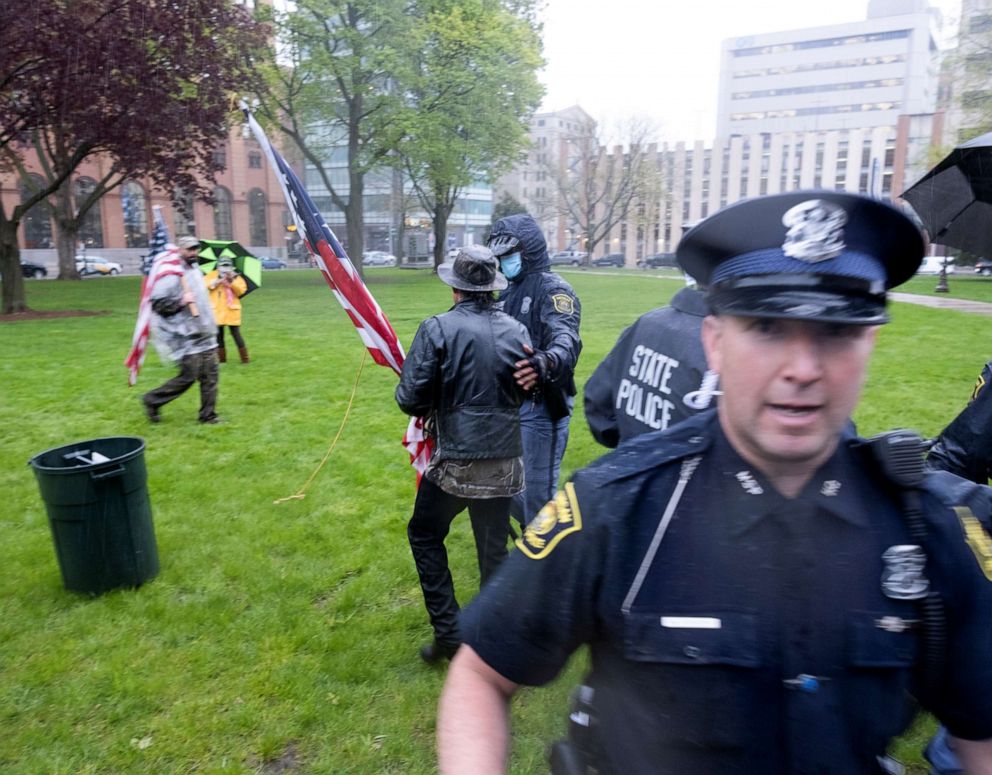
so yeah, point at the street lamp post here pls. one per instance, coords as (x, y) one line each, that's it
(942, 280)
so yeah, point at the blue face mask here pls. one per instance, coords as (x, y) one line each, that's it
(510, 265)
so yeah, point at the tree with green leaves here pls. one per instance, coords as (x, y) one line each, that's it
(507, 205)
(144, 85)
(967, 75)
(470, 98)
(333, 85)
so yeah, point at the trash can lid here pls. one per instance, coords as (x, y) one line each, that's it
(84, 455)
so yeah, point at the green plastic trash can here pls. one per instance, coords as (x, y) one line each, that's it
(96, 495)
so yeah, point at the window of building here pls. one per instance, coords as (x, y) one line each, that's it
(134, 203)
(816, 88)
(861, 107)
(255, 160)
(885, 59)
(182, 213)
(90, 231)
(37, 222)
(257, 224)
(802, 45)
(220, 156)
(981, 22)
(222, 214)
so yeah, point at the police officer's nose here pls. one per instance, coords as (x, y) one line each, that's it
(803, 354)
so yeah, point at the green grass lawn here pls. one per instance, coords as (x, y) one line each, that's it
(284, 638)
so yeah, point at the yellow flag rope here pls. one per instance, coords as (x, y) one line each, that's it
(301, 493)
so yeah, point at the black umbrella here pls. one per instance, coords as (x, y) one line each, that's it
(954, 199)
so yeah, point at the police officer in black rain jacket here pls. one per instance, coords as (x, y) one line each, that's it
(655, 375)
(761, 590)
(549, 309)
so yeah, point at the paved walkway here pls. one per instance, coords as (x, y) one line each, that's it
(945, 302)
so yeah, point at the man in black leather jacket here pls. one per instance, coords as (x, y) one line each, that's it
(459, 374)
(546, 304)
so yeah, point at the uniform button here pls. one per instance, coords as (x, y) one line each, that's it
(693, 652)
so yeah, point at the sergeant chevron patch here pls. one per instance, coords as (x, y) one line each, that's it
(557, 519)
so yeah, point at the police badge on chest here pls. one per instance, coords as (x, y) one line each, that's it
(902, 576)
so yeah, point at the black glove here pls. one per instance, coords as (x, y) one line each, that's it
(542, 362)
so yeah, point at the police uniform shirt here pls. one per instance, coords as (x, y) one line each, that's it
(653, 376)
(758, 637)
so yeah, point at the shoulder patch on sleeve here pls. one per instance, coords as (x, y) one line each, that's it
(564, 303)
(557, 519)
(977, 539)
(979, 384)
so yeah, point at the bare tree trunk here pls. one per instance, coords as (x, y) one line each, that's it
(355, 220)
(66, 232)
(440, 214)
(10, 268)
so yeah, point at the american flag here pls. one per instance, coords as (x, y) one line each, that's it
(373, 327)
(346, 284)
(163, 259)
(160, 238)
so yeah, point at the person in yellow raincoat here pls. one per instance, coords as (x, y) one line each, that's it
(226, 288)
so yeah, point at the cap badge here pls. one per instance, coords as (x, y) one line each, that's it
(815, 231)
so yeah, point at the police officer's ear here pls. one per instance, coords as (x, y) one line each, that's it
(712, 333)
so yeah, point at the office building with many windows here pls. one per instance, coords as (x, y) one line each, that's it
(859, 75)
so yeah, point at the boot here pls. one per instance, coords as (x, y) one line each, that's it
(222, 354)
(243, 352)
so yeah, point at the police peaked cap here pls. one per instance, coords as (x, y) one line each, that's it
(813, 255)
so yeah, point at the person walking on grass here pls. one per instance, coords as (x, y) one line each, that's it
(185, 331)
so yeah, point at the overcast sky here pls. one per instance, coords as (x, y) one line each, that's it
(661, 58)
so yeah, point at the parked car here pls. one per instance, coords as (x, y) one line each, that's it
(569, 257)
(610, 259)
(658, 260)
(983, 267)
(31, 269)
(378, 258)
(933, 264)
(272, 263)
(96, 265)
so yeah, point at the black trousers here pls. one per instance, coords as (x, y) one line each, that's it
(235, 332)
(433, 512)
(200, 367)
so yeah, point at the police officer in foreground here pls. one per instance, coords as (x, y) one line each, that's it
(655, 375)
(761, 590)
(549, 309)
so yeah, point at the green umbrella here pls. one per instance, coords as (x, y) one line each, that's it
(249, 267)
